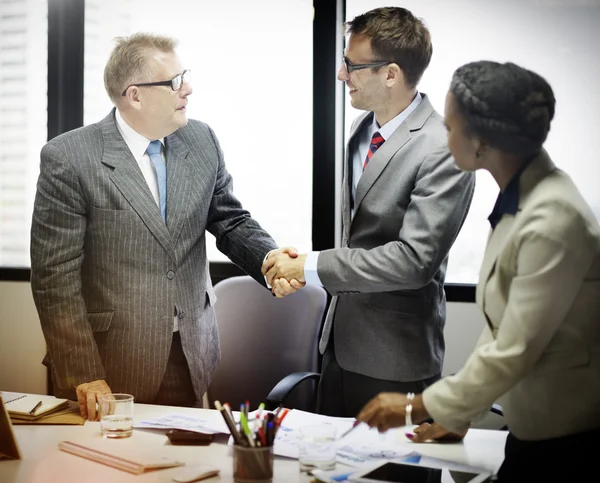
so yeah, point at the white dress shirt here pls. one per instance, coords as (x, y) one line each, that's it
(138, 144)
(357, 158)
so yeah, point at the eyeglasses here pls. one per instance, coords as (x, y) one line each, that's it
(176, 82)
(350, 67)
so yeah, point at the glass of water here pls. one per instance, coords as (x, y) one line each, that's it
(317, 447)
(116, 415)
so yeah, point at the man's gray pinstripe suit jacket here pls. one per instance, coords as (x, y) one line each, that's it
(106, 272)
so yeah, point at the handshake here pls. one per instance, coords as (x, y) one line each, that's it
(284, 271)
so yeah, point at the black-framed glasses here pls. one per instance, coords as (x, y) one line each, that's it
(175, 83)
(350, 67)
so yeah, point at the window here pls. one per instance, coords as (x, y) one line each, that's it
(23, 120)
(557, 39)
(252, 77)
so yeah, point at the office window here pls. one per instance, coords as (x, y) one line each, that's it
(251, 63)
(555, 38)
(23, 120)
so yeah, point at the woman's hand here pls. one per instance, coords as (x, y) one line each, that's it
(435, 432)
(388, 410)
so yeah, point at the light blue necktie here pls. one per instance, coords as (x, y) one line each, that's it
(153, 151)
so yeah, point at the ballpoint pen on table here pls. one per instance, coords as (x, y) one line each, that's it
(37, 406)
(354, 425)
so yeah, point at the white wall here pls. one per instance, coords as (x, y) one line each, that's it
(22, 345)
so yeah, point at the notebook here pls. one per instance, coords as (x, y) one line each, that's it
(9, 448)
(132, 460)
(68, 416)
(28, 407)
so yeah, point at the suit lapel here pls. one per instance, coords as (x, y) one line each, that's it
(396, 141)
(494, 245)
(178, 184)
(129, 180)
(539, 168)
(347, 178)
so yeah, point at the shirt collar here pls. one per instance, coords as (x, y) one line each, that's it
(136, 143)
(389, 127)
(507, 202)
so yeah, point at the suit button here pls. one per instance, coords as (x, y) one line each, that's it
(170, 274)
(181, 315)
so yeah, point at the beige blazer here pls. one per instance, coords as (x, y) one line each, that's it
(539, 288)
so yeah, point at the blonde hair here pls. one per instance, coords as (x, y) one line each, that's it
(128, 62)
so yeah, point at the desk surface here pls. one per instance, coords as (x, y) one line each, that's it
(43, 462)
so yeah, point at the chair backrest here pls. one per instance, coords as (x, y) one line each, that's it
(263, 339)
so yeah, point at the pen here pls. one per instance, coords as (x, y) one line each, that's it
(283, 415)
(37, 406)
(279, 408)
(355, 425)
(257, 416)
(246, 429)
(230, 424)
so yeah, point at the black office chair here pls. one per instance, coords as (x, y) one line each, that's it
(264, 338)
(279, 394)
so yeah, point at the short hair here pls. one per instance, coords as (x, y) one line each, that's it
(508, 106)
(398, 36)
(128, 61)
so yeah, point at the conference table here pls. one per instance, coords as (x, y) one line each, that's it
(43, 462)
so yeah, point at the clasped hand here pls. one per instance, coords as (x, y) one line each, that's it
(284, 270)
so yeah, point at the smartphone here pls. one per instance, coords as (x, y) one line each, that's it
(408, 473)
(185, 437)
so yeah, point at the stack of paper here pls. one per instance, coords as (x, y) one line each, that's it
(40, 409)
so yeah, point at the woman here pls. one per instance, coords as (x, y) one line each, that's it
(539, 289)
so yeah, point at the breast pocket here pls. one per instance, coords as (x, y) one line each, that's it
(103, 220)
(100, 321)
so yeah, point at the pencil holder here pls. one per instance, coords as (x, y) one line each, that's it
(252, 464)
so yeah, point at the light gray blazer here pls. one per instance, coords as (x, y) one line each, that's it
(107, 273)
(539, 288)
(389, 305)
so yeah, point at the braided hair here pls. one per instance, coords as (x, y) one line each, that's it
(506, 105)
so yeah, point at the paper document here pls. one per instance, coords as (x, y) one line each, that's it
(182, 421)
(333, 476)
(363, 446)
(287, 438)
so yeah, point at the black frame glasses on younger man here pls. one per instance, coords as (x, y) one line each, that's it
(350, 67)
(176, 83)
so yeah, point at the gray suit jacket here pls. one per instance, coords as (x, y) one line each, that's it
(107, 272)
(539, 288)
(389, 308)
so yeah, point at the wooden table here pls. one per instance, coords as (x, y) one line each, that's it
(43, 462)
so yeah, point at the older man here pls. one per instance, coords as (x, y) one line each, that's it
(119, 269)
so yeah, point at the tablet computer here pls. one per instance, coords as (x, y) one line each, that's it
(408, 473)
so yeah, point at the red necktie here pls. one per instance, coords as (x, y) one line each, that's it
(376, 141)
